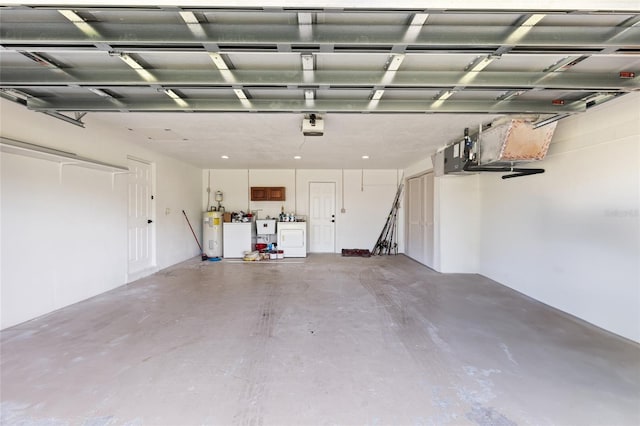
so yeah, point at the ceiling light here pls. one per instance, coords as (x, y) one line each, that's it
(365, 157)
(224, 157)
(297, 157)
(189, 18)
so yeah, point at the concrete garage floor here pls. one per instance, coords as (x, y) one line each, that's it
(317, 341)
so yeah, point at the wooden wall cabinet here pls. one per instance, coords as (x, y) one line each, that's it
(267, 193)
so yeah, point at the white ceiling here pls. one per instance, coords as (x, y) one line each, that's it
(270, 141)
(455, 65)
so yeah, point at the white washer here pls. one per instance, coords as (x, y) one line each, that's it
(237, 239)
(292, 238)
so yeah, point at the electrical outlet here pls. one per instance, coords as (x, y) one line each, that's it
(343, 210)
(167, 211)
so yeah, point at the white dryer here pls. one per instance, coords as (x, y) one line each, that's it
(292, 238)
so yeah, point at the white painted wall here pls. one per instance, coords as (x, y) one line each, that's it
(456, 208)
(368, 196)
(457, 219)
(64, 239)
(571, 236)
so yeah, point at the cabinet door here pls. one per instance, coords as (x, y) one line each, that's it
(277, 193)
(259, 193)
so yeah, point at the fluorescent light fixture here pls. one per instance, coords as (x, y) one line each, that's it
(377, 95)
(307, 62)
(297, 157)
(137, 67)
(189, 18)
(173, 95)
(365, 157)
(224, 157)
(79, 22)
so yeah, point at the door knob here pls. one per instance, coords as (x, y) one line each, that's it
(149, 221)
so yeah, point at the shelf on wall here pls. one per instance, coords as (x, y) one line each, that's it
(61, 157)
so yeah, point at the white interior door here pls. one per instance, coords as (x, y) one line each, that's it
(420, 217)
(428, 220)
(415, 242)
(322, 215)
(140, 217)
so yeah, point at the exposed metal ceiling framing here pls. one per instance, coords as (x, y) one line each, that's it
(96, 58)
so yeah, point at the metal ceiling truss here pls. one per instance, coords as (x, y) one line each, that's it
(47, 84)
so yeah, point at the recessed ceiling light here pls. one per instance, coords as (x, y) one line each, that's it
(297, 157)
(224, 157)
(365, 157)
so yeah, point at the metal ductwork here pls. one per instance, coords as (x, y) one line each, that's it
(504, 146)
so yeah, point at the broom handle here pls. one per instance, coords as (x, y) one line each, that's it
(194, 234)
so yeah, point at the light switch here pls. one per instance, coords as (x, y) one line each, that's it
(167, 211)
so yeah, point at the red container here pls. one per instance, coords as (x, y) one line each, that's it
(261, 246)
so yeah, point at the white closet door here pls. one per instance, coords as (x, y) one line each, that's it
(420, 218)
